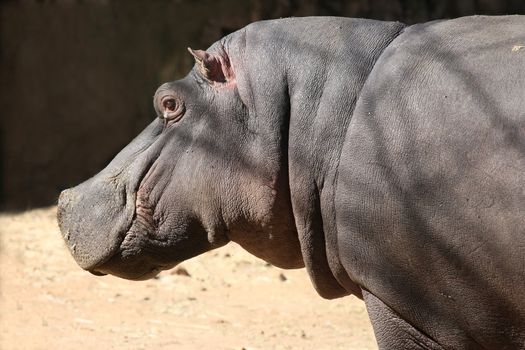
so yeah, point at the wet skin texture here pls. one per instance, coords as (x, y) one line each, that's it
(388, 160)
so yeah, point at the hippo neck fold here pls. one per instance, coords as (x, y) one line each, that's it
(308, 77)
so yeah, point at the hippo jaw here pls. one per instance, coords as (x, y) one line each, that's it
(121, 235)
(97, 244)
(149, 247)
(116, 222)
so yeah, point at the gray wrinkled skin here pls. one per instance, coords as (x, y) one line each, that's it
(388, 160)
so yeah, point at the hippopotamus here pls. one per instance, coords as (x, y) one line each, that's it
(386, 159)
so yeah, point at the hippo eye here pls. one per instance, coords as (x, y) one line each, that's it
(170, 104)
(172, 108)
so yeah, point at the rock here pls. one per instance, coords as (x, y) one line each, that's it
(180, 271)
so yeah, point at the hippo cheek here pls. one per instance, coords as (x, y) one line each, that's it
(144, 253)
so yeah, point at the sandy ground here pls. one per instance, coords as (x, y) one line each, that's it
(225, 299)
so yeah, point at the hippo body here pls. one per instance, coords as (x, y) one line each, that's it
(389, 160)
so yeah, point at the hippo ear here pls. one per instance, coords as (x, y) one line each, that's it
(215, 67)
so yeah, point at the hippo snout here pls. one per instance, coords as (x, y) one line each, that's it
(64, 200)
(94, 218)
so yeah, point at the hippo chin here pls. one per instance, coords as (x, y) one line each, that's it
(389, 160)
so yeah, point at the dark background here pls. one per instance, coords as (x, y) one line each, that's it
(77, 77)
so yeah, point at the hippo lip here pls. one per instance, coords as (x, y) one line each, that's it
(141, 220)
(97, 273)
(147, 274)
(97, 269)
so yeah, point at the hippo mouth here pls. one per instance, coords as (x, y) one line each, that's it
(129, 258)
(141, 252)
(97, 218)
(132, 246)
(139, 273)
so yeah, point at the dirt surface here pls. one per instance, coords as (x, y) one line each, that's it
(225, 299)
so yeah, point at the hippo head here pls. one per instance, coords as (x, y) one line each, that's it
(207, 170)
